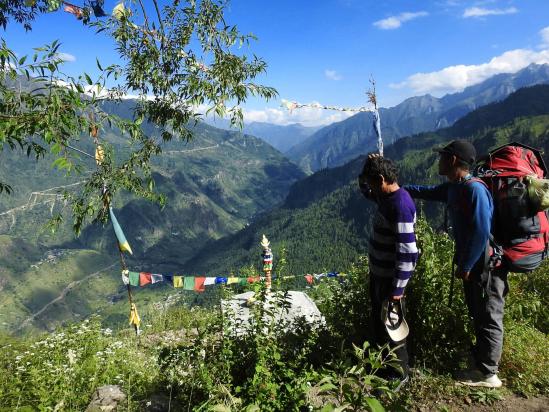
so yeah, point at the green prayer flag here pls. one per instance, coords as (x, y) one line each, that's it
(243, 281)
(188, 283)
(134, 278)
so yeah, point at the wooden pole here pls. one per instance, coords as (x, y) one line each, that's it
(267, 256)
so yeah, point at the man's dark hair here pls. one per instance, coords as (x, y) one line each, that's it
(380, 166)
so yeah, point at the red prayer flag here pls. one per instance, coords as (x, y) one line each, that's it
(253, 279)
(72, 9)
(199, 284)
(144, 278)
(309, 279)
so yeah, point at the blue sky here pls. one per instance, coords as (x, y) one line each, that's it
(325, 51)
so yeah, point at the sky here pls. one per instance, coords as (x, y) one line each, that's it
(326, 51)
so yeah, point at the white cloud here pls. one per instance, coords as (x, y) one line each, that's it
(307, 116)
(482, 12)
(67, 57)
(332, 75)
(544, 33)
(456, 78)
(394, 22)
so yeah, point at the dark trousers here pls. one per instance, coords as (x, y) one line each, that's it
(485, 299)
(380, 290)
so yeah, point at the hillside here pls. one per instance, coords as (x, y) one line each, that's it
(281, 137)
(324, 220)
(338, 143)
(215, 185)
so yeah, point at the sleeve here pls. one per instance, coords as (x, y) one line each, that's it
(406, 248)
(481, 224)
(437, 193)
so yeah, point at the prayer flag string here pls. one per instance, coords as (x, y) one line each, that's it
(291, 105)
(199, 283)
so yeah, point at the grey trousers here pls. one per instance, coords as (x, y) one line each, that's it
(485, 303)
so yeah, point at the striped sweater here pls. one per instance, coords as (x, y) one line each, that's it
(393, 251)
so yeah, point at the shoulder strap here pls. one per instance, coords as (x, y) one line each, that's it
(473, 179)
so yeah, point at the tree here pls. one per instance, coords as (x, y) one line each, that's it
(175, 58)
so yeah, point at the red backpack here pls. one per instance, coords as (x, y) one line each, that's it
(519, 227)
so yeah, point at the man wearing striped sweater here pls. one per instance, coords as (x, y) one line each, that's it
(392, 250)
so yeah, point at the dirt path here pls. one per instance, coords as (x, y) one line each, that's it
(61, 296)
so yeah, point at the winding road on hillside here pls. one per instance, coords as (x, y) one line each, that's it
(62, 295)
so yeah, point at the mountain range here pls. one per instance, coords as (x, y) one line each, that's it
(215, 185)
(324, 222)
(225, 189)
(340, 142)
(281, 137)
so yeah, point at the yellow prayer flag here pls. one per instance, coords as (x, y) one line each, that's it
(134, 316)
(118, 10)
(99, 154)
(232, 280)
(178, 281)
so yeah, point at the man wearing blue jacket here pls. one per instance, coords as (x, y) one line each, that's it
(470, 209)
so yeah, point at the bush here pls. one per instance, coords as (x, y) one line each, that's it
(62, 370)
(525, 360)
(439, 332)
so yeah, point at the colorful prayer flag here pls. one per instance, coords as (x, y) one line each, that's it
(134, 278)
(125, 277)
(210, 281)
(123, 244)
(118, 10)
(144, 278)
(188, 283)
(168, 278)
(178, 281)
(377, 128)
(97, 9)
(220, 279)
(199, 283)
(74, 10)
(135, 320)
(155, 278)
(253, 279)
(309, 279)
(232, 280)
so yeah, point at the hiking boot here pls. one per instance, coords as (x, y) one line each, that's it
(477, 378)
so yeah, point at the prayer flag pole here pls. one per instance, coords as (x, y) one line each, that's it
(267, 256)
(123, 244)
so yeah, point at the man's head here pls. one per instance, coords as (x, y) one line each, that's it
(456, 158)
(380, 174)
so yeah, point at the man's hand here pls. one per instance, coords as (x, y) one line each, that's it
(373, 156)
(463, 274)
(396, 298)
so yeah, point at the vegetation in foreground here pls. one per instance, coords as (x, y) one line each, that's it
(192, 358)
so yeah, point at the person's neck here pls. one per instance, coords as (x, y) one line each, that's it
(458, 175)
(390, 188)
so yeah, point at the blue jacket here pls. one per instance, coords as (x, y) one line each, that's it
(470, 208)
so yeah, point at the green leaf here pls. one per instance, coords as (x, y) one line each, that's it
(220, 408)
(374, 405)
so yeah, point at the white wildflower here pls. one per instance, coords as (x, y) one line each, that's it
(71, 355)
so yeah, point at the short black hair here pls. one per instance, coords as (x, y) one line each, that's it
(380, 166)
